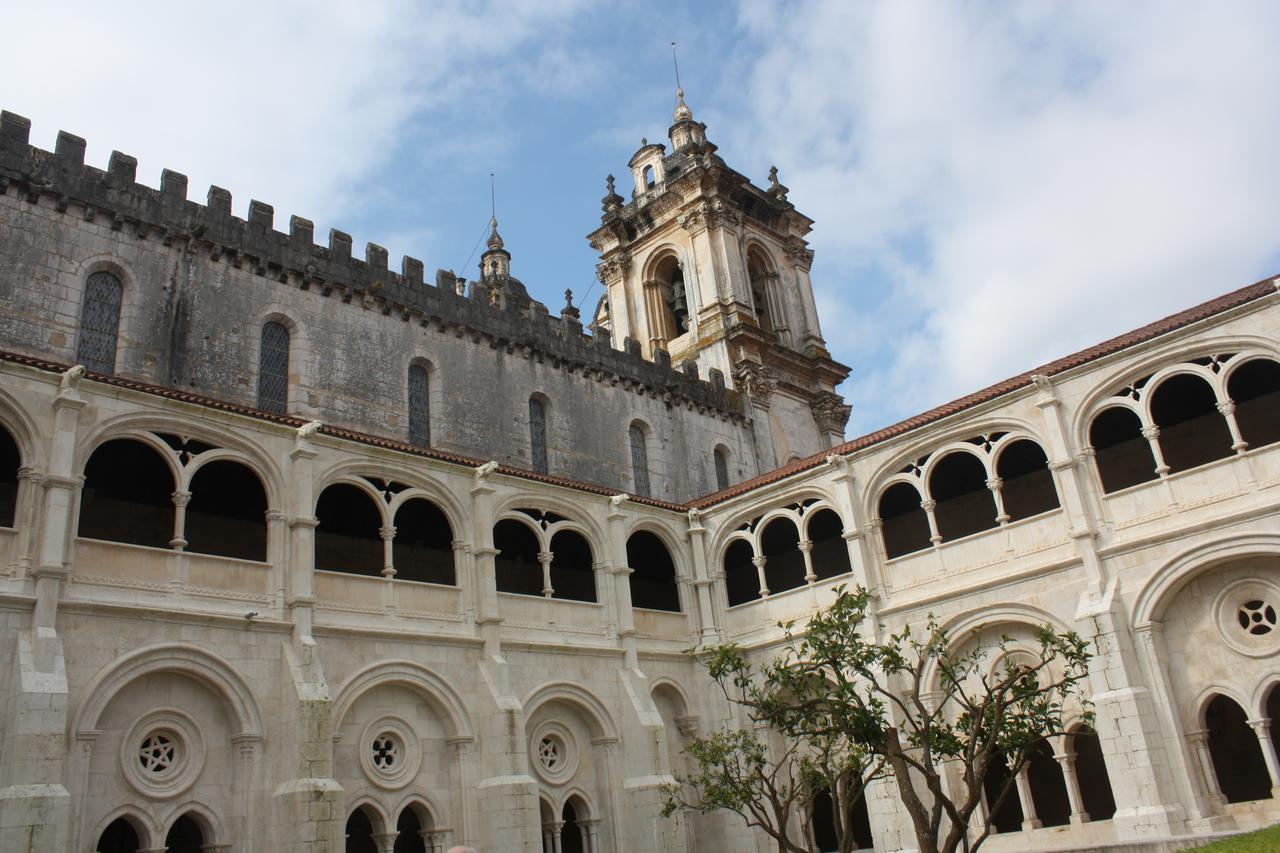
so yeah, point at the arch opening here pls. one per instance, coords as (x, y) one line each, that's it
(823, 819)
(830, 554)
(759, 274)
(227, 512)
(784, 563)
(347, 537)
(360, 832)
(516, 565)
(1192, 430)
(742, 583)
(1121, 452)
(1008, 817)
(1091, 772)
(639, 458)
(1255, 388)
(10, 462)
(409, 830)
(1235, 752)
(1048, 786)
(185, 836)
(572, 831)
(964, 503)
(653, 573)
(127, 495)
(538, 434)
(905, 524)
(573, 573)
(1027, 487)
(674, 319)
(120, 836)
(423, 547)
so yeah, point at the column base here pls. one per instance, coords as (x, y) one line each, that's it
(1147, 821)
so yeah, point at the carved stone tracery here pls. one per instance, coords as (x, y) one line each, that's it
(755, 380)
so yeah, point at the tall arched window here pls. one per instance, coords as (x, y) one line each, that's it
(10, 462)
(273, 369)
(538, 434)
(100, 323)
(722, 467)
(639, 459)
(419, 406)
(759, 274)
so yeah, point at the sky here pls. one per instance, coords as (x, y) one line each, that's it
(994, 184)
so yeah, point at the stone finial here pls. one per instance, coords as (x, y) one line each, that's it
(682, 111)
(570, 312)
(776, 189)
(495, 239)
(611, 199)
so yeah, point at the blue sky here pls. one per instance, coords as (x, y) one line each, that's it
(994, 184)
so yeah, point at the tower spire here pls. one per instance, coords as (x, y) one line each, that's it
(682, 111)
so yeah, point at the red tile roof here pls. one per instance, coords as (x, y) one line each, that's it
(1168, 324)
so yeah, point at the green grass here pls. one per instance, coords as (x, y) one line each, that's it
(1262, 841)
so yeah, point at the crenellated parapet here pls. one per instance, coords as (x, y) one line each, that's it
(294, 259)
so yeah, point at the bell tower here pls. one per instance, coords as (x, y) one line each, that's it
(708, 267)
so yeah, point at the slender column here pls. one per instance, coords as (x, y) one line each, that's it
(463, 577)
(386, 841)
(544, 560)
(591, 835)
(760, 560)
(1262, 728)
(655, 316)
(1228, 410)
(1023, 783)
(1067, 761)
(996, 485)
(806, 548)
(388, 534)
(1151, 433)
(557, 829)
(26, 518)
(929, 506)
(548, 837)
(180, 501)
(609, 746)
(461, 788)
(1199, 741)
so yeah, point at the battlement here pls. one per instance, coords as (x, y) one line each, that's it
(295, 259)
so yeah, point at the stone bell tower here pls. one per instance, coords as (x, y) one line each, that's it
(706, 266)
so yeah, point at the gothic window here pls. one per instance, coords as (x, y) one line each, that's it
(653, 573)
(1122, 452)
(419, 406)
(721, 457)
(538, 434)
(639, 459)
(273, 369)
(100, 323)
(905, 523)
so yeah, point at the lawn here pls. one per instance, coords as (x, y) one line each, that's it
(1261, 841)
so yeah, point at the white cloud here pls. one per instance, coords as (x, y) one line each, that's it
(1026, 179)
(292, 103)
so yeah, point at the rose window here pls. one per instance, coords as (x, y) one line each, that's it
(158, 754)
(386, 752)
(1256, 617)
(550, 754)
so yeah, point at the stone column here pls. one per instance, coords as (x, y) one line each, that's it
(278, 556)
(544, 560)
(703, 582)
(1067, 761)
(26, 518)
(300, 597)
(806, 548)
(386, 841)
(590, 835)
(609, 747)
(460, 793)
(1023, 783)
(759, 560)
(1199, 742)
(1228, 410)
(996, 486)
(1262, 728)
(655, 310)
(180, 500)
(929, 505)
(388, 534)
(619, 577)
(557, 831)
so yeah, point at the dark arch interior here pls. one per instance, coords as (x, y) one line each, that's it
(571, 832)
(1236, 753)
(360, 833)
(740, 579)
(10, 462)
(128, 495)
(784, 564)
(905, 523)
(423, 547)
(184, 836)
(572, 574)
(1192, 430)
(830, 555)
(1255, 388)
(1048, 786)
(516, 565)
(1008, 817)
(1122, 453)
(653, 573)
(964, 503)
(119, 837)
(1091, 771)
(347, 539)
(824, 823)
(409, 833)
(1028, 483)
(1273, 714)
(757, 274)
(227, 512)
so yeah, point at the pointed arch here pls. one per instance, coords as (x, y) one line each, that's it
(596, 712)
(438, 693)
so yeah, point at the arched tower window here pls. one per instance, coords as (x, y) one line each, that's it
(419, 406)
(538, 434)
(721, 456)
(666, 303)
(640, 459)
(760, 274)
(648, 177)
(100, 323)
(273, 369)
